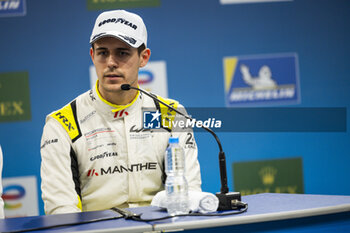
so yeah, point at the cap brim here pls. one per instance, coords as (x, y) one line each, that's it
(133, 42)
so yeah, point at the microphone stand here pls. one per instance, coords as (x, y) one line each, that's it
(227, 199)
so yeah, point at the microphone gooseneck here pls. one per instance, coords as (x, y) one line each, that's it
(223, 195)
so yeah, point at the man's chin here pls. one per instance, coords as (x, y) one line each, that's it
(114, 87)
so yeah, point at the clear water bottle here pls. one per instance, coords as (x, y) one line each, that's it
(176, 185)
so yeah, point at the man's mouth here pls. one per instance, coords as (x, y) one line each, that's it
(113, 76)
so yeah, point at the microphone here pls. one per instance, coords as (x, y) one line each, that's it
(227, 199)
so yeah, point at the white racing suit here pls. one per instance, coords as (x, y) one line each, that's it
(96, 159)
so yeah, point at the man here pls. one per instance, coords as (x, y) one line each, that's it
(95, 152)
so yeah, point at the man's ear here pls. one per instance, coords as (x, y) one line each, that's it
(92, 54)
(145, 55)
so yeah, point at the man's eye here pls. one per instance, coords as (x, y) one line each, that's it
(102, 53)
(123, 53)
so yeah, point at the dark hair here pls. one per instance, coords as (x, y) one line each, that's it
(139, 49)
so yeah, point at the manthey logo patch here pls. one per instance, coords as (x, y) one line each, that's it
(261, 80)
(269, 176)
(119, 169)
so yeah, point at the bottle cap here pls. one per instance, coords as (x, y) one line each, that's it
(173, 140)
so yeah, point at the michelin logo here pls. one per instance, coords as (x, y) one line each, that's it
(12, 8)
(9, 5)
(261, 80)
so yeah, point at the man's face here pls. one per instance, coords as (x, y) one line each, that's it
(116, 63)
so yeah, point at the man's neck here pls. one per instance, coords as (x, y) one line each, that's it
(119, 97)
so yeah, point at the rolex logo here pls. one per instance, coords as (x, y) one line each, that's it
(267, 175)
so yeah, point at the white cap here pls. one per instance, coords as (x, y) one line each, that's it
(124, 25)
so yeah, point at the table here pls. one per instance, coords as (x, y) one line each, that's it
(275, 212)
(267, 212)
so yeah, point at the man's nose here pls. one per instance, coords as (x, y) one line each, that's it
(112, 61)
